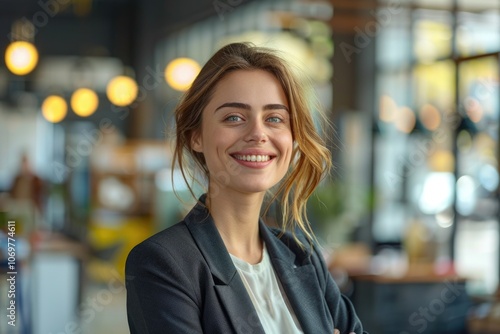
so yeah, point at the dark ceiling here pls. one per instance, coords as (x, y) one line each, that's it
(126, 29)
(129, 29)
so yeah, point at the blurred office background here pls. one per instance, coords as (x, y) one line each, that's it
(408, 220)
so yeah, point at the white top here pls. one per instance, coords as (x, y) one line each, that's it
(270, 301)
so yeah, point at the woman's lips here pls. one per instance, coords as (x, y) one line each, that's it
(253, 160)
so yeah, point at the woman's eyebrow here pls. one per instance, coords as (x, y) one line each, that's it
(239, 105)
(276, 106)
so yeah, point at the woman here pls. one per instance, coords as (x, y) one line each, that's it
(246, 125)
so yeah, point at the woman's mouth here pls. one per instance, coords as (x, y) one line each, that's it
(252, 158)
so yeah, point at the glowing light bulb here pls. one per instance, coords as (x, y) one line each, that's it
(181, 72)
(54, 108)
(122, 91)
(21, 57)
(84, 102)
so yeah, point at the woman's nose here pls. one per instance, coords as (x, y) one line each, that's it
(256, 132)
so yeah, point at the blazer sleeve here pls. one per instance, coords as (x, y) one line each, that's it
(160, 296)
(342, 311)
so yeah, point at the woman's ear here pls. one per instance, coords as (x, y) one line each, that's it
(196, 142)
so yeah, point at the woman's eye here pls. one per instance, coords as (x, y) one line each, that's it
(274, 120)
(233, 118)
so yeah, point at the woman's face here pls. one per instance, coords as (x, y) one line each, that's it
(245, 135)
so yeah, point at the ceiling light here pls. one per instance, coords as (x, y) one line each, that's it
(84, 102)
(54, 108)
(21, 57)
(181, 72)
(122, 90)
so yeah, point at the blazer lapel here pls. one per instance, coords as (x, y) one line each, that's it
(228, 284)
(299, 281)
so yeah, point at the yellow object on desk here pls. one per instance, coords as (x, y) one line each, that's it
(112, 240)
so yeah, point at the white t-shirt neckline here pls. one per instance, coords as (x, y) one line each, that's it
(268, 297)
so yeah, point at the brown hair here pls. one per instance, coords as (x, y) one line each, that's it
(311, 159)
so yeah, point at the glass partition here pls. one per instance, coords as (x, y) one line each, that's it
(436, 135)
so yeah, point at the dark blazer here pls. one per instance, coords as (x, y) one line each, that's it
(182, 280)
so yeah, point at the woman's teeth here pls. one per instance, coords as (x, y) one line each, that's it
(257, 158)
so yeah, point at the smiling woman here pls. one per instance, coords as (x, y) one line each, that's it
(246, 125)
(246, 122)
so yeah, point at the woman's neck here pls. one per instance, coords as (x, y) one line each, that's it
(236, 216)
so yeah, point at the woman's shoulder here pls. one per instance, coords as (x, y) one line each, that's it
(172, 241)
(295, 240)
(175, 244)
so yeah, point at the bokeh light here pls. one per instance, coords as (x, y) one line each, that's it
(466, 195)
(445, 218)
(181, 72)
(474, 109)
(387, 109)
(54, 108)
(464, 141)
(442, 161)
(405, 120)
(430, 117)
(437, 192)
(488, 177)
(21, 57)
(84, 102)
(122, 90)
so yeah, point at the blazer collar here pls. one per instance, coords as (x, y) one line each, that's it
(299, 280)
(207, 237)
(227, 284)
